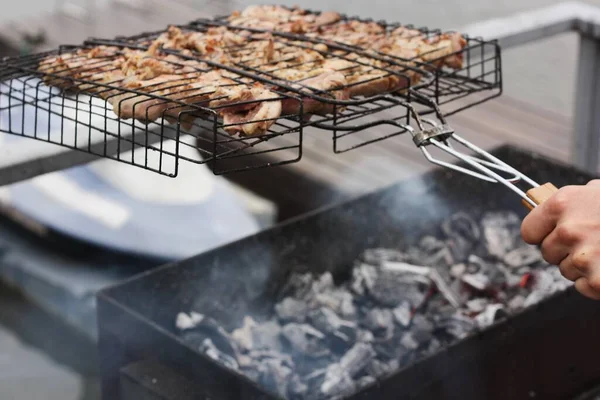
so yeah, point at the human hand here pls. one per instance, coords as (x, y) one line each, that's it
(567, 226)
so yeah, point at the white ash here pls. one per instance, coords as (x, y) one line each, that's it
(188, 321)
(291, 310)
(327, 341)
(403, 314)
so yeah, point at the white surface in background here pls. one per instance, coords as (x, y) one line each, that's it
(4, 195)
(65, 191)
(194, 183)
(27, 373)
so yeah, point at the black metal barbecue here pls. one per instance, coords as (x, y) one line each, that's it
(536, 348)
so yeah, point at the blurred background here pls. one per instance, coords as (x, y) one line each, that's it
(47, 333)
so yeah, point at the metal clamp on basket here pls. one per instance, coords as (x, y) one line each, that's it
(440, 132)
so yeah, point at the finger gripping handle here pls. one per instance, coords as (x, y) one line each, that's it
(540, 194)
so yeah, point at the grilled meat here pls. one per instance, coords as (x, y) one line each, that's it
(169, 80)
(405, 43)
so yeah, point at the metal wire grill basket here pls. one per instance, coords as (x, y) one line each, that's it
(252, 96)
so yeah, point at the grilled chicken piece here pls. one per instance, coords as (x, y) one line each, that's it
(323, 85)
(149, 85)
(80, 65)
(254, 118)
(441, 50)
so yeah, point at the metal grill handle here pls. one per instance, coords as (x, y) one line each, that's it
(483, 165)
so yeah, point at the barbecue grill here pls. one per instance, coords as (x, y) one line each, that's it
(521, 356)
(65, 102)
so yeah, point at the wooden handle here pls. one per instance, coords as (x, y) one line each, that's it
(540, 194)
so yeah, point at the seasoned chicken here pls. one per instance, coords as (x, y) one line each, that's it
(405, 43)
(184, 73)
(328, 85)
(148, 85)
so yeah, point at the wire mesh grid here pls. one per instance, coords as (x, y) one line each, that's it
(474, 67)
(241, 92)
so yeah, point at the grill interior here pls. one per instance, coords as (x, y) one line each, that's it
(137, 318)
(80, 105)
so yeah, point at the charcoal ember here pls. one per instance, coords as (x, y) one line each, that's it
(298, 285)
(431, 251)
(339, 376)
(390, 349)
(398, 282)
(337, 383)
(378, 369)
(403, 314)
(543, 280)
(511, 279)
(364, 336)
(245, 361)
(408, 341)
(208, 328)
(477, 305)
(491, 314)
(457, 326)
(342, 332)
(297, 389)
(560, 282)
(516, 303)
(501, 232)
(363, 278)
(339, 300)
(481, 265)
(185, 321)
(243, 335)
(459, 248)
(394, 364)
(435, 312)
(194, 339)
(446, 290)
(457, 270)
(209, 348)
(533, 298)
(380, 321)
(275, 375)
(267, 335)
(461, 291)
(476, 281)
(357, 358)
(323, 284)
(305, 339)
(433, 347)
(523, 255)
(463, 233)
(410, 357)
(251, 371)
(346, 307)
(389, 293)
(365, 381)
(259, 356)
(325, 320)
(378, 256)
(314, 378)
(422, 329)
(291, 310)
(462, 225)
